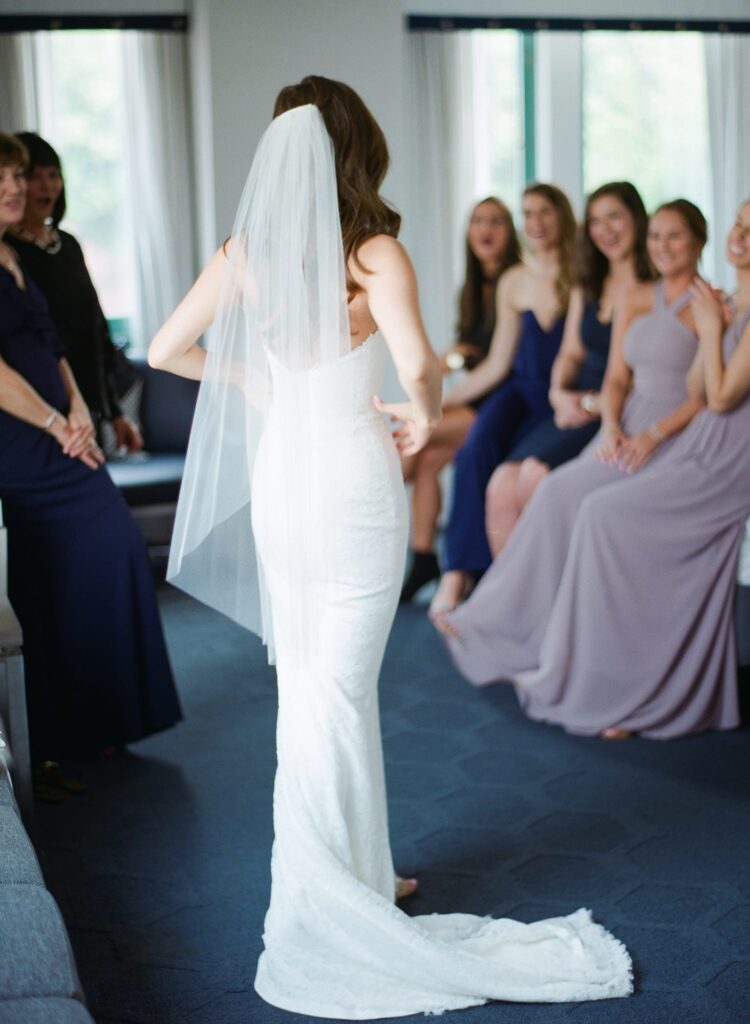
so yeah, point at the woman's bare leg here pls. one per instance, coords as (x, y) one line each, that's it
(509, 491)
(447, 438)
(533, 471)
(451, 591)
(426, 497)
(409, 466)
(501, 505)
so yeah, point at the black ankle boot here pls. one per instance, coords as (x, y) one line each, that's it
(423, 569)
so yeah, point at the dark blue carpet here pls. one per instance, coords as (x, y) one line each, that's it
(161, 870)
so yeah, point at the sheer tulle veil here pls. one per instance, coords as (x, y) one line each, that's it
(283, 298)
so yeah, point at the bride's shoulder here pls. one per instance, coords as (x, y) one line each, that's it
(377, 255)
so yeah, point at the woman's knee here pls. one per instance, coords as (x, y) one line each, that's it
(504, 481)
(433, 459)
(530, 476)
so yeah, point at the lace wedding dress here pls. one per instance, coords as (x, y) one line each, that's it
(329, 526)
(335, 943)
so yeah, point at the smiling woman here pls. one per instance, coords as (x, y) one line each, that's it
(55, 261)
(645, 405)
(513, 379)
(79, 579)
(492, 247)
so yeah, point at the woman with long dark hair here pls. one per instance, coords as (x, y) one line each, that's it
(532, 301)
(290, 451)
(492, 247)
(79, 578)
(645, 403)
(617, 656)
(54, 260)
(612, 259)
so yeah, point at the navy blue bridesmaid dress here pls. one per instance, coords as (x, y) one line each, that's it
(505, 416)
(555, 445)
(79, 578)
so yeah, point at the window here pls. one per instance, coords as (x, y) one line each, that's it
(645, 114)
(82, 113)
(499, 156)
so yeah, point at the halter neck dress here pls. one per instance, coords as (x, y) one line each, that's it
(641, 635)
(501, 626)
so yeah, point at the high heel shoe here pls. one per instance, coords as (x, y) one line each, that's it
(424, 569)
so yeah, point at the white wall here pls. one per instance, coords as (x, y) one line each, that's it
(249, 51)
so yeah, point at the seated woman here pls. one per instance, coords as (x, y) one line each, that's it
(641, 635)
(612, 258)
(54, 260)
(492, 247)
(532, 301)
(79, 578)
(498, 632)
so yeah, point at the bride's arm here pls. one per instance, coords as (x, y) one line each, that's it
(391, 287)
(174, 345)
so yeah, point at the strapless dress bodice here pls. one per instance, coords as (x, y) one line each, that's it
(337, 394)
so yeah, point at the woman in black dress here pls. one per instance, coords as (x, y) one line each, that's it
(54, 260)
(79, 578)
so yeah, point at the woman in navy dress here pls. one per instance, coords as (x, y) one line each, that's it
(532, 301)
(492, 247)
(79, 578)
(612, 258)
(55, 261)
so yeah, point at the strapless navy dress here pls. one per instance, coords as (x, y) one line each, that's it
(79, 577)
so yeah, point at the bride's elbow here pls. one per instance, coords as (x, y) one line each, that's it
(155, 355)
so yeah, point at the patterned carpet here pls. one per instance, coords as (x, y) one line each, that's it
(161, 871)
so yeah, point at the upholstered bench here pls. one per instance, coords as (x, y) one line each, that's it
(150, 480)
(38, 978)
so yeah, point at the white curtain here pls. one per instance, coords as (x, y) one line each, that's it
(441, 172)
(728, 82)
(19, 108)
(159, 175)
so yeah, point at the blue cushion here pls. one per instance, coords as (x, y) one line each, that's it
(44, 1011)
(148, 479)
(36, 957)
(167, 406)
(18, 863)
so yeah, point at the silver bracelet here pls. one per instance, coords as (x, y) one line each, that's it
(655, 433)
(50, 419)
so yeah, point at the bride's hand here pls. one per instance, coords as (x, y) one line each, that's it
(414, 430)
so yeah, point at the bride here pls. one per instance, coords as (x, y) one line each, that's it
(292, 520)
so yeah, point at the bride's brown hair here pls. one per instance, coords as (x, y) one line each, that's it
(362, 159)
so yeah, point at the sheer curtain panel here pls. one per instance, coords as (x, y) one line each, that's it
(728, 82)
(442, 172)
(19, 110)
(159, 175)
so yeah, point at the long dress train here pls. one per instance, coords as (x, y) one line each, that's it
(335, 944)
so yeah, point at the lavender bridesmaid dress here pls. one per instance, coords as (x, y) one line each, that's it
(642, 631)
(501, 626)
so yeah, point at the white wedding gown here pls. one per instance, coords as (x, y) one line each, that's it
(336, 945)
